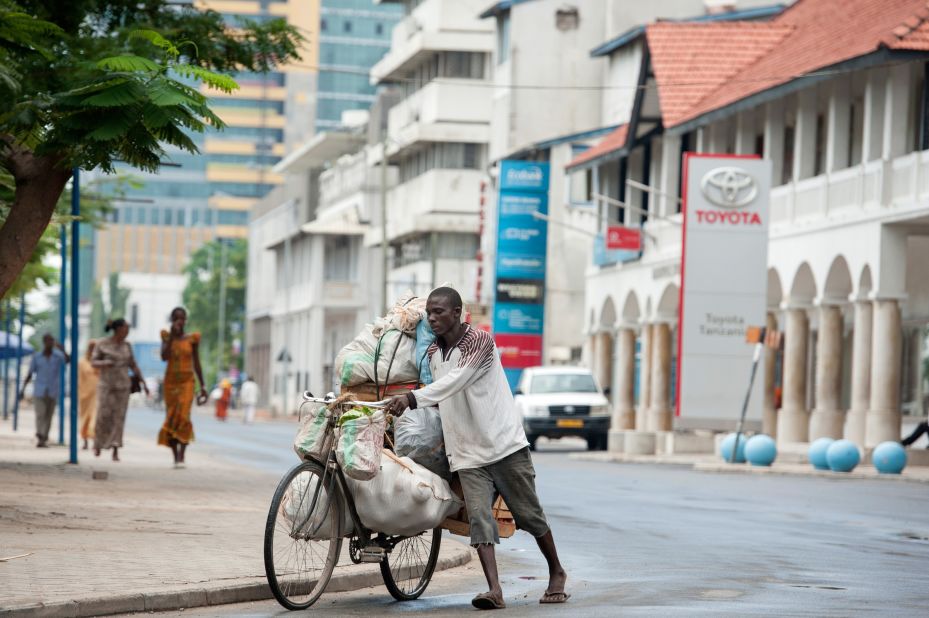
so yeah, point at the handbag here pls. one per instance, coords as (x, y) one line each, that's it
(135, 384)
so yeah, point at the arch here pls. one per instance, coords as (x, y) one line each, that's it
(668, 303)
(865, 282)
(838, 284)
(803, 287)
(631, 312)
(775, 289)
(608, 314)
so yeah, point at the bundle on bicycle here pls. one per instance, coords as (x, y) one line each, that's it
(349, 489)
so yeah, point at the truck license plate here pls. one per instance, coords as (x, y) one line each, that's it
(570, 423)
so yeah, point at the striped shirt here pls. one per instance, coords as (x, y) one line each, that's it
(479, 418)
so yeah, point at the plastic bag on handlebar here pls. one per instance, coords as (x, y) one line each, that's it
(311, 437)
(360, 440)
(418, 435)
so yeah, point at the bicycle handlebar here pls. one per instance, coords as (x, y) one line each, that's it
(308, 397)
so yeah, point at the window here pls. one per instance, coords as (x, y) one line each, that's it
(134, 313)
(563, 383)
(378, 29)
(787, 171)
(441, 155)
(347, 26)
(819, 162)
(323, 26)
(340, 260)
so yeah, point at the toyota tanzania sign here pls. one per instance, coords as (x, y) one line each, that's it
(723, 283)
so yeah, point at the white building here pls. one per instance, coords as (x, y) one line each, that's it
(437, 136)
(312, 286)
(840, 108)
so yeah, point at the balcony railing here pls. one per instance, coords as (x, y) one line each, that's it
(871, 185)
(446, 101)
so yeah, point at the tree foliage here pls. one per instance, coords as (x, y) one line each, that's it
(202, 300)
(87, 83)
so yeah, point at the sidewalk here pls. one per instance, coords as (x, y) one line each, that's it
(714, 463)
(147, 538)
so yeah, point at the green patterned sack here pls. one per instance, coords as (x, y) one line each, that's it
(311, 437)
(361, 438)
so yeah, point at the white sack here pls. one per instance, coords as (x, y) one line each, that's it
(296, 506)
(404, 499)
(355, 362)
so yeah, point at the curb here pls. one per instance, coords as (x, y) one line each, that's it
(746, 469)
(204, 597)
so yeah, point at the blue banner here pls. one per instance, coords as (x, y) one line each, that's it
(522, 245)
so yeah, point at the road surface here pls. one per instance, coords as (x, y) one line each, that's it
(640, 540)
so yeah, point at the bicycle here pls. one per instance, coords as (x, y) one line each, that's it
(307, 523)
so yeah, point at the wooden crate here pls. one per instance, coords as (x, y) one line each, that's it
(458, 523)
(368, 392)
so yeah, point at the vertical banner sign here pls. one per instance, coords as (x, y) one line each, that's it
(519, 289)
(723, 283)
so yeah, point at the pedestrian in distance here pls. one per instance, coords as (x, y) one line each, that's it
(248, 395)
(182, 352)
(222, 402)
(46, 365)
(484, 440)
(113, 357)
(88, 377)
(922, 428)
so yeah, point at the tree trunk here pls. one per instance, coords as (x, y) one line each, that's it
(39, 183)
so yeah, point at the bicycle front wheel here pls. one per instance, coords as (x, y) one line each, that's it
(408, 568)
(302, 538)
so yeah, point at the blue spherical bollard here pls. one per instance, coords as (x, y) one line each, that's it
(843, 456)
(817, 453)
(889, 458)
(725, 448)
(760, 450)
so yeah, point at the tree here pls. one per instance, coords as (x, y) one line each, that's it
(86, 83)
(202, 300)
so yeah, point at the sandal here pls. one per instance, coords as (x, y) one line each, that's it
(486, 600)
(554, 597)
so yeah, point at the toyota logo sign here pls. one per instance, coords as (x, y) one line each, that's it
(729, 187)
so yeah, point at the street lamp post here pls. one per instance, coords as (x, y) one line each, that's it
(62, 331)
(6, 361)
(75, 295)
(384, 223)
(19, 359)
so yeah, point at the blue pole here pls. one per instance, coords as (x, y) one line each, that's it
(19, 359)
(75, 290)
(6, 362)
(62, 331)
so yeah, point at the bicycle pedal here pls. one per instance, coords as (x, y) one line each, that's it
(373, 553)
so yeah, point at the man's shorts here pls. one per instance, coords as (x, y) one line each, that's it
(513, 477)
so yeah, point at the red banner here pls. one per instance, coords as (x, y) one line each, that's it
(519, 351)
(626, 238)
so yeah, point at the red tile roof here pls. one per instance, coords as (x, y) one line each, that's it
(693, 60)
(613, 141)
(726, 65)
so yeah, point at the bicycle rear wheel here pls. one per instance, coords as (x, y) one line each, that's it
(302, 541)
(408, 568)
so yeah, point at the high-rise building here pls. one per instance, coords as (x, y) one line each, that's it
(353, 36)
(195, 198)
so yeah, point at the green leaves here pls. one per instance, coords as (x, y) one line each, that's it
(216, 81)
(129, 63)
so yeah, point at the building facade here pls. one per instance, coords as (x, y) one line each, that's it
(848, 148)
(437, 136)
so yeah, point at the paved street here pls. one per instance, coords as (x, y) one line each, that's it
(664, 540)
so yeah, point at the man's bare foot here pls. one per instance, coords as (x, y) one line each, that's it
(96, 452)
(555, 592)
(489, 600)
(115, 455)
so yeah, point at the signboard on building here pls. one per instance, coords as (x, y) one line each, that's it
(625, 238)
(723, 283)
(519, 289)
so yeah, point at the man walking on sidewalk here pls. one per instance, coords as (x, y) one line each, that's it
(46, 365)
(248, 395)
(484, 440)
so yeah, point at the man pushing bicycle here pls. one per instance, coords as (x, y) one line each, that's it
(484, 440)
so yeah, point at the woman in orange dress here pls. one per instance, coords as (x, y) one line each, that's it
(222, 404)
(181, 351)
